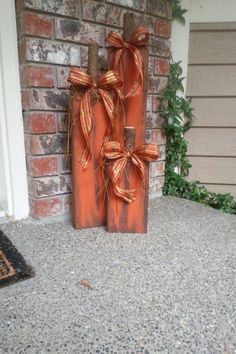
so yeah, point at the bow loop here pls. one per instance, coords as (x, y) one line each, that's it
(78, 77)
(114, 39)
(138, 38)
(115, 151)
(107, 82)
(110, 80)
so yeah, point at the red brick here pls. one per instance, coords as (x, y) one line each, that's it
(156, 103)
(46, 207)
(67, 202)
(19, 4)
(37, 25)
(37, 123)
(163, 28)
(44, 186)
(22, 50)
(161, 67)
(157, 84)
(156, 136)
(42, 166)
(25, 99)
(157, 168)
(45, 144)
(38, 76)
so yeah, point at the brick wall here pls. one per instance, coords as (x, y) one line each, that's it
(52, 36)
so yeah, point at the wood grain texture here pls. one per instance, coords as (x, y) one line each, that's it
(211, 80)
(212, 47)
(213, 170)
(211, 141)
(214, 112)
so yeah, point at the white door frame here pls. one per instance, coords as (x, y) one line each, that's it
(12, 131)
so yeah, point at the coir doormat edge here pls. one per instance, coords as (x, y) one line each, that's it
(12, 262)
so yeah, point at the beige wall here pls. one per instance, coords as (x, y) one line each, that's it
(211, 83)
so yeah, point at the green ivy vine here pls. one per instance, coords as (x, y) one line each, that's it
(178, 115)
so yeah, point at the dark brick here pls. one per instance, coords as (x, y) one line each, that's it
(63, 7)
(62, 122)
(156, 184)
(159, 46)
(62, 76)
(155, 120)
(46, 144)
(65, 164)
(46, 51)
(133, 4)
(157, 84)
(79, 31)
(65, 183)
(103, 13)
(159, 7)
(156, 103)
(45, 186)
(49, 100)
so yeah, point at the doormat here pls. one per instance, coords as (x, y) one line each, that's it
(13, 267)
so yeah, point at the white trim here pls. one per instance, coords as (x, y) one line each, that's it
(11, 117)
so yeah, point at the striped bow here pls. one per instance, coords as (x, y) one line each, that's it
(139, 38)
(107, 82)
(113, 150)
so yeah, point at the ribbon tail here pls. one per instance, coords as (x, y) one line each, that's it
(86, 126)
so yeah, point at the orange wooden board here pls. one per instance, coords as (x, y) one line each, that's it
(121, 216)
(89, 208)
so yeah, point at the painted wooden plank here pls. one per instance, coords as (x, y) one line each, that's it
(212, 48)
(222, 188)
(214, 112)
(220, 170)
(121, 216)
(211, 141)
(211, 80)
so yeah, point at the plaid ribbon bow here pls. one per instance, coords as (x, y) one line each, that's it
(113, 150)
(106, 83)
(139, 38)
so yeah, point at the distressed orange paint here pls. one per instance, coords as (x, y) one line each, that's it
(121, 216)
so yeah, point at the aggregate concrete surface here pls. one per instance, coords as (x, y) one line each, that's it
(170, 291)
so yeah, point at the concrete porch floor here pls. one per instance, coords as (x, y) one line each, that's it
(170, 291)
